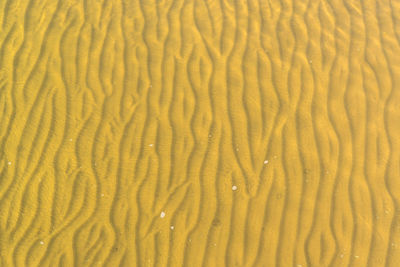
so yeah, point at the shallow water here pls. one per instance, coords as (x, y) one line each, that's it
(199, 133)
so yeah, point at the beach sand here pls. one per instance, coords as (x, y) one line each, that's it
(199, 133)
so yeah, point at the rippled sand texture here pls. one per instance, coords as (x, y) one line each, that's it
(199, 133)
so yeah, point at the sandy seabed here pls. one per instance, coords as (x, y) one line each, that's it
(199, 133)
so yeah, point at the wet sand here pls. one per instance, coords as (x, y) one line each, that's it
(199, 133)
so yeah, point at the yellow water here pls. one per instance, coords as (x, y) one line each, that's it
(199, 133)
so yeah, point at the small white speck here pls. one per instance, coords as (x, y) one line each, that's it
(234, 188)
(70, 139)
(41, 242)
(209, 135)
(311, 61)
(299, 265)
(162, 215)
(215, 244)
(102, 195)
(237, 149)
(9, 163)
(356, 257)
(151, 145)
(172, 227)
(265, 161)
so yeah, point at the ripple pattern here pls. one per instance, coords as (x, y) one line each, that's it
(199, 133)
